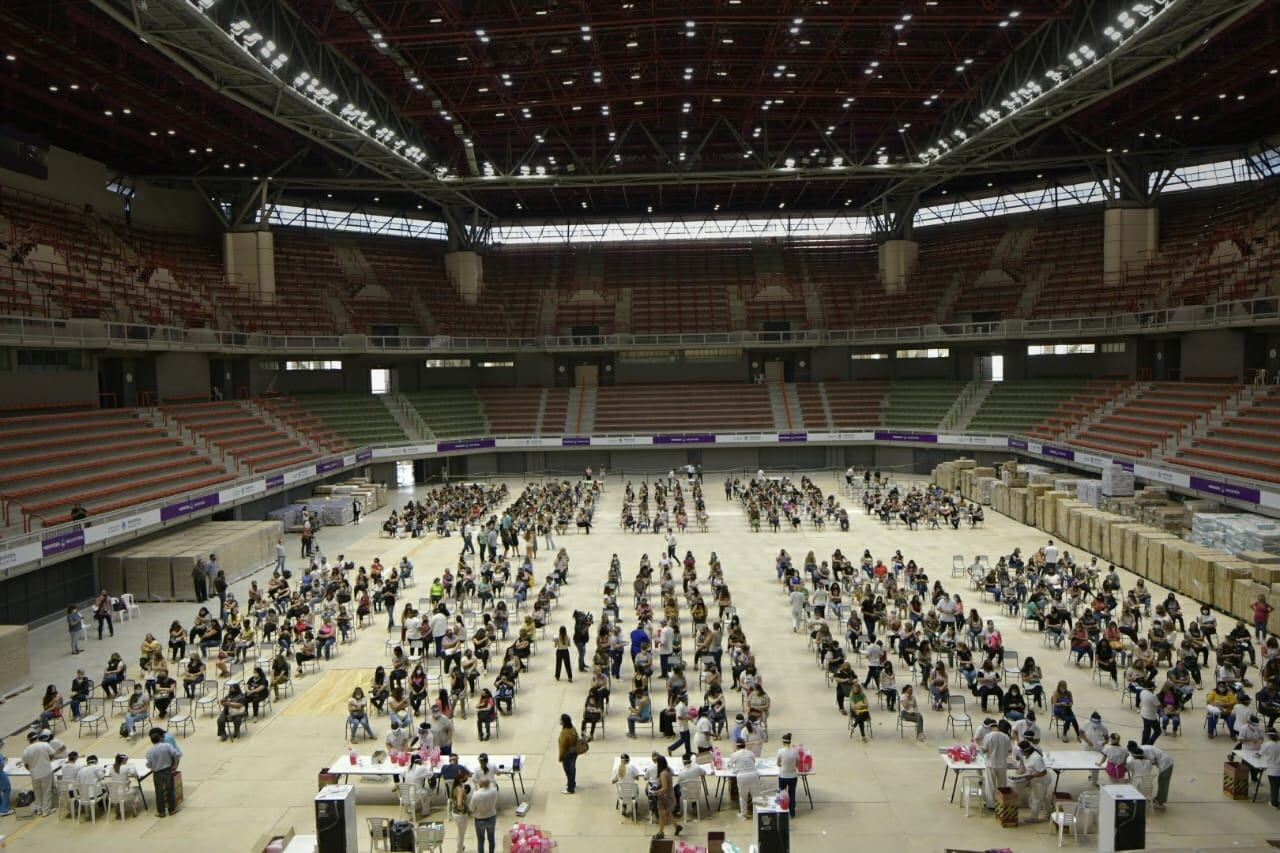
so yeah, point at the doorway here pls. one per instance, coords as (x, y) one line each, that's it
(586, 374)
(380, 380)
(991, 368)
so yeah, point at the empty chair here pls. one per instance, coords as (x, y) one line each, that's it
(971, 790)
(181, 721)
(131, 607)
(1062, 817)
(408, 795)
(956, 718)
(91, 719)
(691, 797)
(208, 698)
(378, 827)
(428, 836)
(957, 565)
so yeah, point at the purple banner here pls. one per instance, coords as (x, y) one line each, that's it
(275, 481)
(1227, 490)
(364, 456)
(575, 441)
(1017, 444)
(1120, 463)
(921, 437)
(61, 543)
(793, 436)
(172, 511)
(465, 444)
(1057, 453)
(686, 438)
(328, 465)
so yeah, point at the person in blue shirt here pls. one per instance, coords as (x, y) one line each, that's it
(5, 788)
(638, 638)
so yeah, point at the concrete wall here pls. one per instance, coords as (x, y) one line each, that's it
(18, 386)
(1217, 352)
(182, 374)
(78, 181)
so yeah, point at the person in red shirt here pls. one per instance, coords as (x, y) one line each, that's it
(1261, 612)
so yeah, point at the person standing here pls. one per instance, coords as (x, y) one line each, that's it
(483, 806)
(280, 555)
(468, 546)
(671, 544)
(788, 759)
(570, 747)
(1036, 776)
(682, 731)
(162, 760)
(220, 590)
(742, 763)
(1163, 762)
(199, 579)
(355, 510)
(995, 748)
(75, 628)
(666, 647)
(102, 613)
(563, 660)
(459, 810)
(211, 570)
(1149, 710)
(1270, 753)
(6, 789)
(38, 758)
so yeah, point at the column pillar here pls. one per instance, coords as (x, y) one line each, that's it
(249, 262)
(1131, 234)
(898, 260)
(466, 274)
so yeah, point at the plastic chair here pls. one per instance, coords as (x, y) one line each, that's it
(428, 836)
(971, 790)
(131, 607)
(408, 796)
(378, 827)
(628, 797)
(118, 797)
(1063, 819)
(120, 702)
(89, 797)
(66, 798)
(691, 795)
(955, 719)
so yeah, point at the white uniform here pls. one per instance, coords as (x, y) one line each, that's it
(995, 747)
(1038, 789)
(743, 765)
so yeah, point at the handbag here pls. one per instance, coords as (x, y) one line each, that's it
(583, 747)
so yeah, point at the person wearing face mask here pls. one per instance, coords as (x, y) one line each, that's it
(441, 730)
(1035, 775)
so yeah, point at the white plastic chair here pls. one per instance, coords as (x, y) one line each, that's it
(378, 827)
(119, 795)
(971, 790)
(428, 836)
(1063, 819)
(408, 795)
(89, 797)
(691, 794)
(66, 797)
(180, 721)
(131, 607)
(629, 797)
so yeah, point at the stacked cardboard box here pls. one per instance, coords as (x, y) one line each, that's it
(1089, 491)
(160, 569)
(1117, 481)
(15, 662)
(1235, 531)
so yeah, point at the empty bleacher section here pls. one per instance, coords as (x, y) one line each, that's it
(1018, 406)
(1064, 263)
(105, 459)
(454, 412)
(919, 403)
(514, 411)
(1143, 423)
(678, 291)
(850, 404)
(682, 408)
(1215, 245)
(1075, 409)
(237, 431)
(307, 273)
(358, 418)
(838, 271)
(288, 411)
(1246, 444)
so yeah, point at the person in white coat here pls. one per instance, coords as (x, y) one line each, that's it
(797, 599)
(1035, 775)
(742, 763)
(995, 749)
